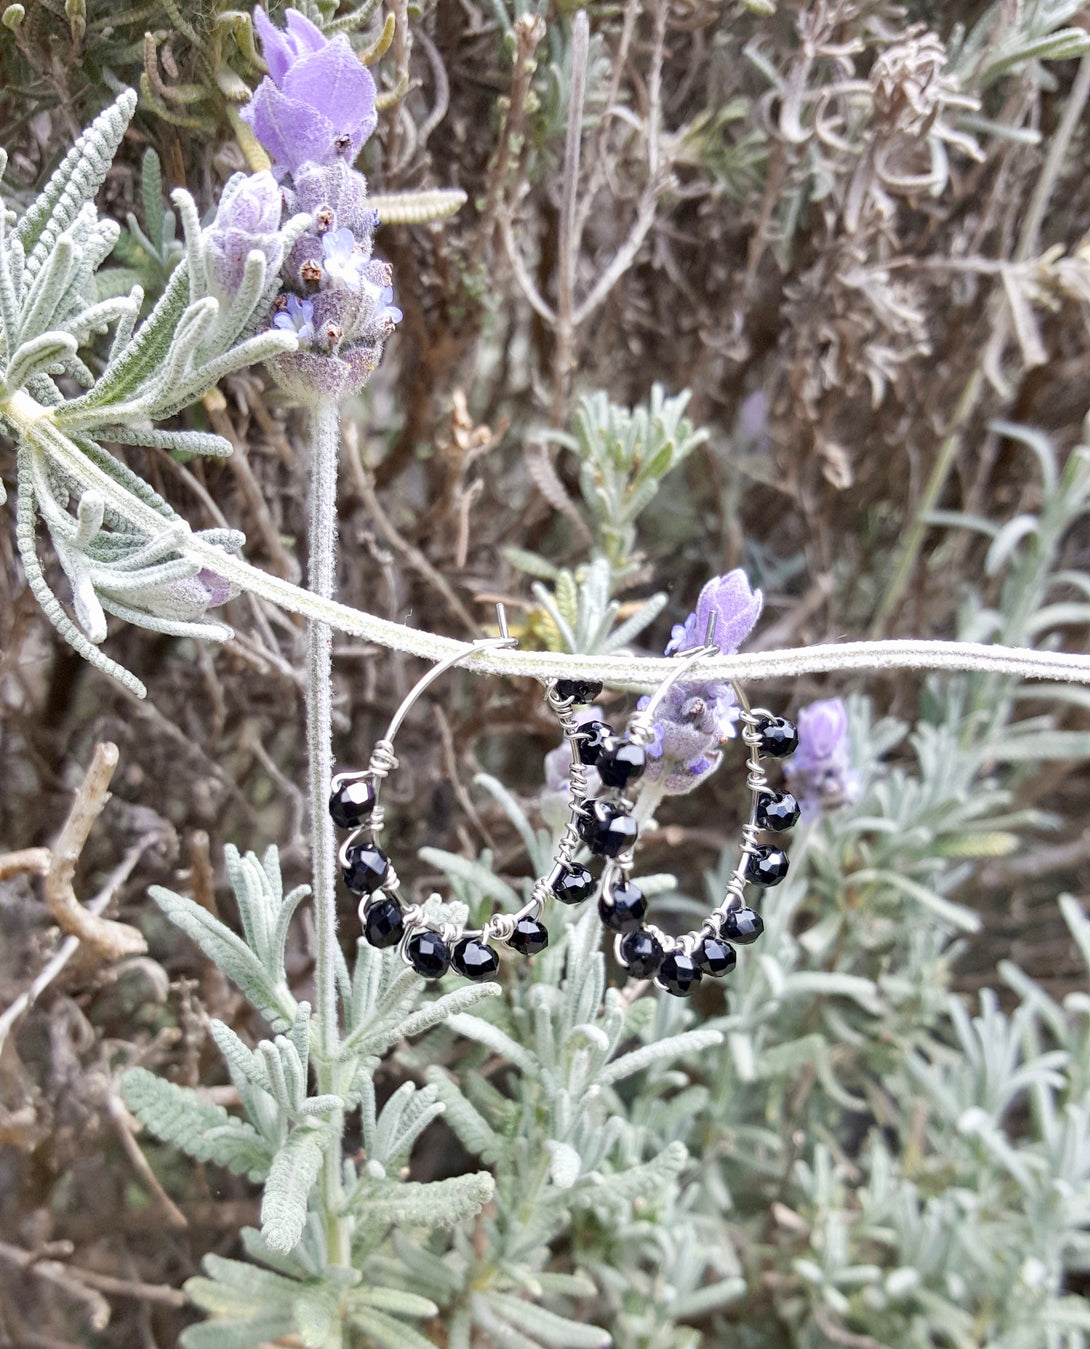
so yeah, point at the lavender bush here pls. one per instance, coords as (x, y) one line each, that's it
(763, 312)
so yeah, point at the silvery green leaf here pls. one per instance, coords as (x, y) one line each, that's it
(41, 353)
(558, 1332)
(402, 1120)
(245, 1332)
(427, 1269)
(316, 1316)
(199, 1127)
(688, 1042)
(622, 1187)
(242, 1063)
(431, 1014)
(564, 1164)
(833, 984)
(385, 1330)
(289, 1184)
(438, 1203)
(270, 996)
(474, 1131)
(485, 1033)
(392, 1300)
(531, 563)
(74, 182)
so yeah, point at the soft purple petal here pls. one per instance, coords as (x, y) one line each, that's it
(282, 49)
(333, 81)
(291, 131)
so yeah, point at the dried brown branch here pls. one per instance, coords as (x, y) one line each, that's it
(106, 938)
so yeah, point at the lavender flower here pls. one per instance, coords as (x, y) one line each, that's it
(696, 721)
(820, 772)
(296, 316)
(736, 607)
(313, 113)
(248, 219)
(345, 260)
(317, 103)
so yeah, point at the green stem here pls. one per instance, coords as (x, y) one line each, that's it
(35, 427)
(325, 438)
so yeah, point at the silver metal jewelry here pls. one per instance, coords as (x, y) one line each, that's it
(428, 947)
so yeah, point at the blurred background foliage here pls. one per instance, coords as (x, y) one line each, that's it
(852, 232)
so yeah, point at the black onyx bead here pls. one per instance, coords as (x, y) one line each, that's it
(779, 737)
(621, 762)
(592, 739)
(571, 883)
(351, 803)
(383, 923)
(606, 829)
(580, 690)
(779, 811)
(366, 868)
(715, 957)
(678, 973)
(766, 866)
(641, 952)
(474, 959)
(622, 907)
(529, 937)
(428, 954)
(742, 926)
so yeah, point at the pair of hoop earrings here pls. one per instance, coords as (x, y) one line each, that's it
(605, 826)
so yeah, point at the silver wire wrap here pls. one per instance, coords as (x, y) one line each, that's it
(384, 761)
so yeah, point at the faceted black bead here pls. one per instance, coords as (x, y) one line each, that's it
(383, 923)
(607, 830)
(641, 952)
(529, 936)
(742, 926)
(678, 973)
(622, 907)
(766, 866)
(366, 868)
(621, 762)
(571, 883)
(779, 737)
(592, 737)
(779, 811)
(580, 690)
(428, 954)
(351, 803)
(715, 957)
(474, 959)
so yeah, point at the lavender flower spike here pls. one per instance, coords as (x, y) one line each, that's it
(736, 607)
(821, 773)
(696, 721)
(317, 104)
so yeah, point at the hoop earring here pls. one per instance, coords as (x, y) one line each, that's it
(429, 948)
(606, 826)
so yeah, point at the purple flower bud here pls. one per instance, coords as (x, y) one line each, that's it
(735, 606)
(185, 600)
(820, 772)
(317, 103)
(248, 219)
